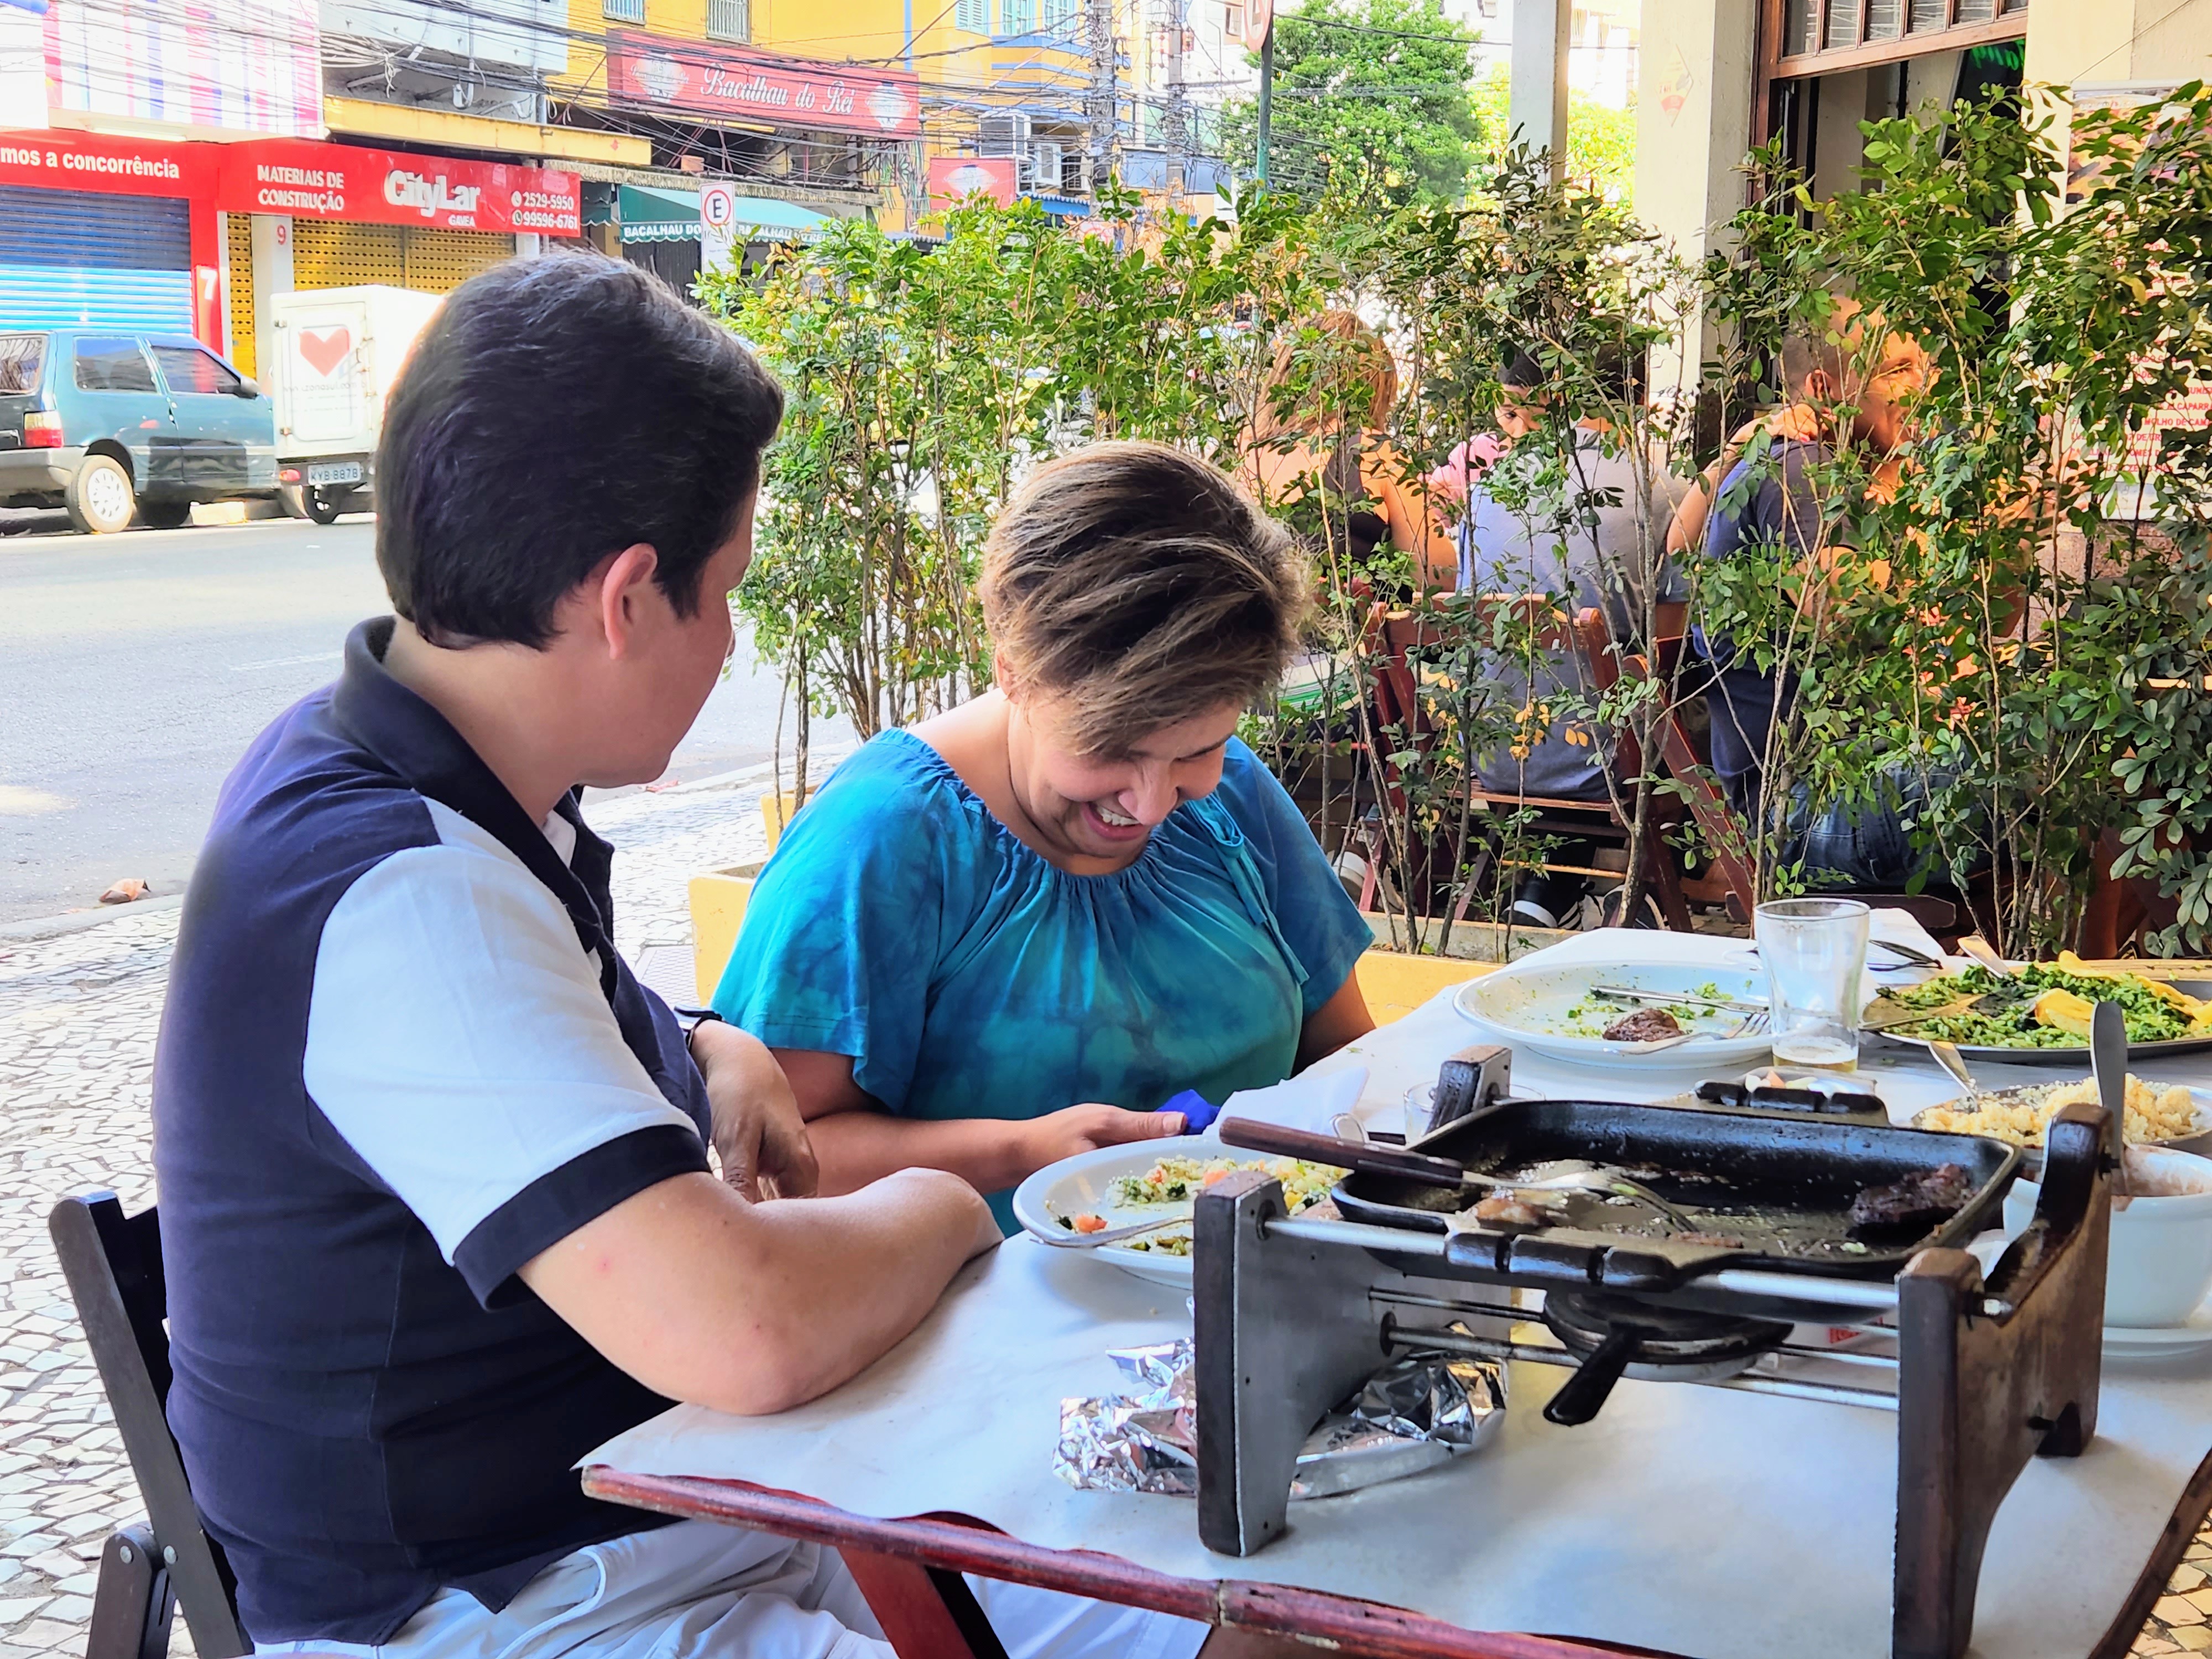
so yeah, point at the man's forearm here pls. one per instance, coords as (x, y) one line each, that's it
(856, 1148)
(755, 1308)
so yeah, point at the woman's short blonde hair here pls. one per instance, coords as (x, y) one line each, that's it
(1328, 369)
(1140, 586)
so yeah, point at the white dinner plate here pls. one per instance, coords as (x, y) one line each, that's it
(2193, 1335)
(1549, 1012)
(1084, 1185)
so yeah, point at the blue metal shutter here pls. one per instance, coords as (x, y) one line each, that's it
(75, 258)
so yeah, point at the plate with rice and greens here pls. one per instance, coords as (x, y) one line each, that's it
(1115, 1186)
(2039, 1015)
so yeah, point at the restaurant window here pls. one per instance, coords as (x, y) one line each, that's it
(729, 19)
(622, 11)
(1816, 35)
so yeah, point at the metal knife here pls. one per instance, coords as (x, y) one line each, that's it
(2108, 1064)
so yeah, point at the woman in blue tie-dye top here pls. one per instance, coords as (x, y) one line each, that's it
(1011, 933)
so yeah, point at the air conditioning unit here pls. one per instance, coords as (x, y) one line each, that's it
(1004, 132)
(1045, 165)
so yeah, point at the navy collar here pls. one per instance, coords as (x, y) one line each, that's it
(419, 745)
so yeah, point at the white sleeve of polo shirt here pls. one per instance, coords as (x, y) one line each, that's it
(458, 1039)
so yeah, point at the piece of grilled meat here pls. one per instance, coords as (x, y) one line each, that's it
(1916, 1203)
(1644, 1025)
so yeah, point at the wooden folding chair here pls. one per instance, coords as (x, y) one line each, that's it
(1587, 638)
(113, 1265)
(1692, 772)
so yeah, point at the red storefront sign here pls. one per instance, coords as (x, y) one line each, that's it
(61, 159)
(384, 187)
(653, 71)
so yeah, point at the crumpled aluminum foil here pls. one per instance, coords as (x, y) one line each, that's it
(1417, 1412)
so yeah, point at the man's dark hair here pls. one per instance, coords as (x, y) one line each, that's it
(556, 410)
(1616, 373)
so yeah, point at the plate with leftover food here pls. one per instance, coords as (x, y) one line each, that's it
(1625, 1013)
(2039, 1015)
(1120, 1186)
(2156, 1113)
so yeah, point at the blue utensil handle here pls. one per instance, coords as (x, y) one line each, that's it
(1198, 1112)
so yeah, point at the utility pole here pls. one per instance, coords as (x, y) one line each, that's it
(1536, 105)
(1178, 133)
(1100, 98)
(1267, 112)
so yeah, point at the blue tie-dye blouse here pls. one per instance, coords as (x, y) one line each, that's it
(901, 923)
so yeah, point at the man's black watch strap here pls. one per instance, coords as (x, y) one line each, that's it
(690, 1019)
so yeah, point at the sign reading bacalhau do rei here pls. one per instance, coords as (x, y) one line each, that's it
(652, 71)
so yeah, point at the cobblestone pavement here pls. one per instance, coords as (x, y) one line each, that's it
(78, 1020)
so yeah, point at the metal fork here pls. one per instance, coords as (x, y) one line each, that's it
(1674, 999)
(1754, 1025)
(1068, 1239)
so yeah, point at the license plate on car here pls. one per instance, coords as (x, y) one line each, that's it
(334, 473)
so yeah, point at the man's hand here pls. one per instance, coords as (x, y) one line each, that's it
(758, 1133)
(1086, 1128)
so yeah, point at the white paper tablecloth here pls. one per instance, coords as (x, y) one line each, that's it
(1701, 1521)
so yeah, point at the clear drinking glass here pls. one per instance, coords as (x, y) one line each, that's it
(1420, 1108)
(1814, 951)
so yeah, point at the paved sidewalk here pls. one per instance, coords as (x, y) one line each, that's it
(78, 1014)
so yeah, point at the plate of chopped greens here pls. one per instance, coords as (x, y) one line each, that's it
(1627, 1013)
(2039, 1014)
(1117, 1186)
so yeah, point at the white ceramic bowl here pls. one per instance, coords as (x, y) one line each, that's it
(2160, 1265)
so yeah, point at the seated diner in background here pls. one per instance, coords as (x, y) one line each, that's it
(437, 1213)
(1769, 499)
(1010, 933)
(1601, 562)
(1317, 460)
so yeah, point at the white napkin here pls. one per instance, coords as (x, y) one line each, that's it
(1310, 1102)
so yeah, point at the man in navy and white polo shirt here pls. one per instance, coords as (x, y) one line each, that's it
(436, 1207)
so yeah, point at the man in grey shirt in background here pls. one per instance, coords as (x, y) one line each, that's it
(1583, 538)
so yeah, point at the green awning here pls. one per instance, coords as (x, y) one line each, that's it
(763, 219)
(658, 216)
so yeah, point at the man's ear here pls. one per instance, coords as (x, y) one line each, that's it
(624, 585)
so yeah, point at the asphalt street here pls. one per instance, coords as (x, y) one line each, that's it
(135, 669)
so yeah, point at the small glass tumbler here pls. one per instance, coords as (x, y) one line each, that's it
(1420, 1108)
(1814, 951)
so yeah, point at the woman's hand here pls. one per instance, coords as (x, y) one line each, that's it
(1086, 1129)
(758, 1133)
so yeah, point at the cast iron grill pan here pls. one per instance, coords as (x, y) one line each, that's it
(1784, 1182)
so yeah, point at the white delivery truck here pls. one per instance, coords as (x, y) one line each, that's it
(336, 351)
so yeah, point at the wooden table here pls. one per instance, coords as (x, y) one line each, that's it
(1756, 1491)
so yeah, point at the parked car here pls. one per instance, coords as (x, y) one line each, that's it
(112, 426)
(337, 352)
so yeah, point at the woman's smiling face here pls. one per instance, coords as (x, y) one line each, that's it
(1099, 810)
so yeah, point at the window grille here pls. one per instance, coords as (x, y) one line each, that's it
(622, 11)
(729, 19)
